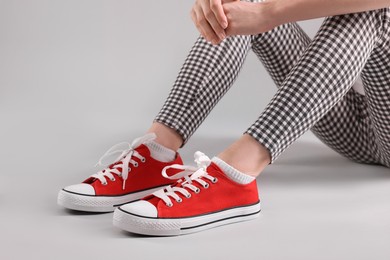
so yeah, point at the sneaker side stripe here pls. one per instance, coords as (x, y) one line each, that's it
(199, 215)
(222, 219)
(87, 195)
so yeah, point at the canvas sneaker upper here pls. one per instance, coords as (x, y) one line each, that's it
(133, 175)
(203, 197)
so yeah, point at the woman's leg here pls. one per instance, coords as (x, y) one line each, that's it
(207, 74)
(209, 71)
(376, 81)
(317, 82)
(279, 51)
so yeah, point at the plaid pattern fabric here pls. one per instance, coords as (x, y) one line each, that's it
(207, 74)
(314, 79)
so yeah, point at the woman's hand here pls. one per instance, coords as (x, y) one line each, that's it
(246, 18)
(210, 20)
(216, 19)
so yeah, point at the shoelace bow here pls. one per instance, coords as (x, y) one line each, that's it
(123, 160)
(186, 179)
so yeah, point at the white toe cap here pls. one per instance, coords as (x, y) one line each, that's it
(82, 188)
(141, 208)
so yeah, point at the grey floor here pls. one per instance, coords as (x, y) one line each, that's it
(316, 205)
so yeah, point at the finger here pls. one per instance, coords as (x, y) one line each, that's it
(212, 20)
(231, 29)
(208, 31)
(197, 9)
(195, 21)
(217, 9)
(204, 27)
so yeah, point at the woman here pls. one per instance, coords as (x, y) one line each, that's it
(314, 79)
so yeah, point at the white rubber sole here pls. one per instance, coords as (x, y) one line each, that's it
(179, 226)
(90, 203)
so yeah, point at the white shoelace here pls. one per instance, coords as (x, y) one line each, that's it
(125, 158)
(187, 177)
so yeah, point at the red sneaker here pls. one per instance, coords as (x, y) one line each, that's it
(204, 198)
(132, 176)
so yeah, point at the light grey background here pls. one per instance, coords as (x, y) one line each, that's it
(79, 76)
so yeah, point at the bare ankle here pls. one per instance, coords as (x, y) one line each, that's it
(247, 155)
(166, 136)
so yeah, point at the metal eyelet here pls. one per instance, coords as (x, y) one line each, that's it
(179, 200)
(104, 183)
(143, 159)
(135, 164)
(169, 205)
(215, 180)
(197, 190)
(206, 186)
(188, 196)
(113, 179)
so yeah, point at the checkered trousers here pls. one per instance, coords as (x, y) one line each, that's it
(314, 79)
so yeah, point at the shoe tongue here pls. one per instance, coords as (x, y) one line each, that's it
(212, 169)
(142, 149)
